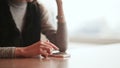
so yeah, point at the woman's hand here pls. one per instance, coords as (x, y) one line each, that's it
(38, 48)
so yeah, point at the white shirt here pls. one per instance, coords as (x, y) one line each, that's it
(18, 11)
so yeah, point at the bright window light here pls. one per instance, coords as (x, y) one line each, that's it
(93, 17)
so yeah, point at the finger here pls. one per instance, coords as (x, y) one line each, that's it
(49, 51)
(43, 44)
(51, 44)
(44, 54)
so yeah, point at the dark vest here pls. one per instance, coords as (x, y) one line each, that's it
(10, 36)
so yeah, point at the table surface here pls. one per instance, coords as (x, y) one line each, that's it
(82, 56)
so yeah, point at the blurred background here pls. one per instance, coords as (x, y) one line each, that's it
(93, 30)
(89, 21)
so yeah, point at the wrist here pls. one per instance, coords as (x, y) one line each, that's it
(59, 16)
(19, 52)
(60, 19)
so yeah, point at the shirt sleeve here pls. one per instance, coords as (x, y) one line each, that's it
(7, 52)
(56, 36)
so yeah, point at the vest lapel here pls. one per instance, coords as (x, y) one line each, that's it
(9, 17)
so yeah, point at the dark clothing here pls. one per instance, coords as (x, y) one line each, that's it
(10, 36)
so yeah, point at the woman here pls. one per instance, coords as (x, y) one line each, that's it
(21, 22)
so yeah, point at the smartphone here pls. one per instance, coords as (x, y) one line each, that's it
(60, 55)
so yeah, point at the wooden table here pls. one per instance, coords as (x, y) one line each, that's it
(82, 56)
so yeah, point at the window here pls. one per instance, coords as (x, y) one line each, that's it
(93, 19)
(90, 20)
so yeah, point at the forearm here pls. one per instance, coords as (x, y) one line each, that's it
(11, 52)
(60, 16)
(57, 37)
(19, 52)
(7, 52)
(61, 37)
